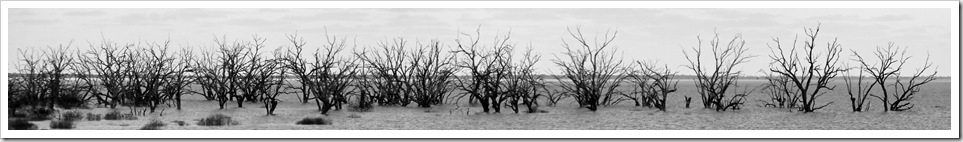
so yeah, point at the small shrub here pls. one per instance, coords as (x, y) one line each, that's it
(71, 98)
(39, 114)
(354, 116)
(117, 115)
(61, 124)
(180, 123)
(153, 125)
(314, 121)
(20, 124)
(93, 117)
(217, 120)
(71, 116)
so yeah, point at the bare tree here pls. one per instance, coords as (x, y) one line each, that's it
(859, 91)
(274, 73)
(431, 74)
(179, 80)
(662, 83)
(890, 65)
(714, 79)
(552, 96)
(782, 92)
(58, 62)
(298, 65)
(487, 67)
(153, 67)
(641, 85)
(332, 75)
(221, 70)
(108, 62)
(592, 73)
(523, 85)
(808, 72)
(389, 71)
(26, 92)
(257, 74)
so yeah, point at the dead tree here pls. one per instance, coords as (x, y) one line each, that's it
(389, 73)
(487, 68)
(152, 72)
(431, 74)
(859, 91)
(781, 91)
(552, 96)
(179, 79)
(641, 86)
(57, 62)
(298, 66)
(663, 83)
(890, 65)
(591, 71)
(221, 70)
(523, 86)
(332, 75)
(714, 79)
(256, 74)
(108, 61)
(31, 75)
(808, 72)
(274, 73)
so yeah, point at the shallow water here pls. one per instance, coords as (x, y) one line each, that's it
(932, 112)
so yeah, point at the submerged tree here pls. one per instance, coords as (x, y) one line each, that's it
(488, 68)
(715, 78)
(591, 71)
(431, 74)
(653, 85)
(889, 67)
(810, 71)
(859, 90)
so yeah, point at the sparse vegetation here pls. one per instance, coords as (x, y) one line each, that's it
(20, 124)
(217, 120)
(94, 117)
(71, 116)
(117, 115)
(154, 124)
(61, 124)
(314, 121)
(181, 123)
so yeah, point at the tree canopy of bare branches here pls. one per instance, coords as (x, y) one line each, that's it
(487, 66)
(889, 67)
(652, 85)
(715, 78)
(591, 71)
(810, 71)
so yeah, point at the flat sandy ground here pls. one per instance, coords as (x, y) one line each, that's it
(932, 112)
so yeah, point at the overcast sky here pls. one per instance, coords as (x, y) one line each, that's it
(644, 34)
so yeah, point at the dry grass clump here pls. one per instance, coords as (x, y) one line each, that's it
(20, 124)
(217, 120)
(153, 125)
(314, 121)
(61, 124)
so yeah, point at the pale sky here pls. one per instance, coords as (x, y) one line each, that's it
(644, 33)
